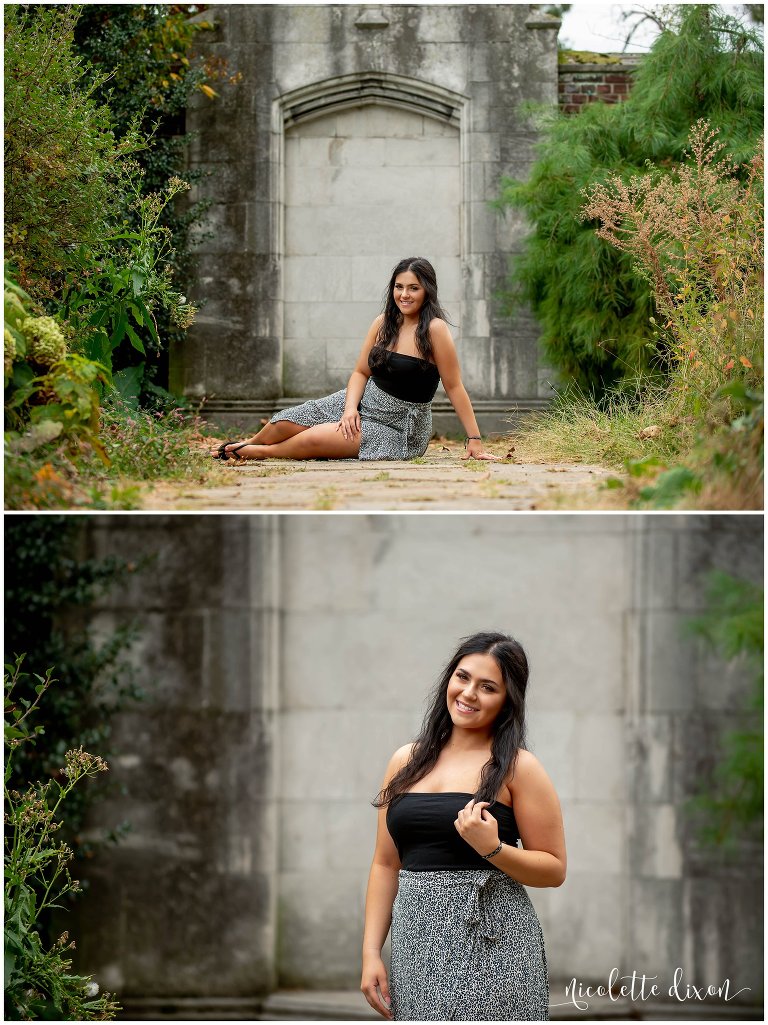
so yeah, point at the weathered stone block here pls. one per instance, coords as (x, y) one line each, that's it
(343, 835)
(655, 936)
(321, 928)
(600, 754)
(586, 935)
(596, 836)
(654, 842)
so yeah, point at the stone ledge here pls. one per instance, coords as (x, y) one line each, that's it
(494, 416)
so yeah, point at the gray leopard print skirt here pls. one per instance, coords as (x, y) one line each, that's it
(466, 946)
(391, 428)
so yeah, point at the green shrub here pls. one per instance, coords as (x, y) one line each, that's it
(86, 230)
(592, 306)
(149, 48)
(119, 285)
(65, 171)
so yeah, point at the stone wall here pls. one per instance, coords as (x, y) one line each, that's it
(286, 658)
(341, 107)
(186, 901)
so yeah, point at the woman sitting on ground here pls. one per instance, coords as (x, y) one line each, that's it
(385, 412)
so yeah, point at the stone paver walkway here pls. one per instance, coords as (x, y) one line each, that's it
(439, 480)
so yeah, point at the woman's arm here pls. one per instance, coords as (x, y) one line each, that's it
(447, 361)
(349, 425)
(380, 896)
(542, 861)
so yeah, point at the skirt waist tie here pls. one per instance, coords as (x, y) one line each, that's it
(479, 913)
(410, 430)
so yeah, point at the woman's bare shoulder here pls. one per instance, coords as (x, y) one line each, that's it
(439, 331)
(401, 756)
(439, 325)
(526, 771)
(398, 760)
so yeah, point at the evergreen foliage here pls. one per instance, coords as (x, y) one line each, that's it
(592, 306)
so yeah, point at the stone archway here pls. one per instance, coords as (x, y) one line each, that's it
(438, 93)
(372, 172)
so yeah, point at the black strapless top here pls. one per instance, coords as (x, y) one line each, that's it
(405, 377)
(422, 828)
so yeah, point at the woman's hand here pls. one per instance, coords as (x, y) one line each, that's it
(375, 986)
(475, 450)
(478, 827)
(349, 425)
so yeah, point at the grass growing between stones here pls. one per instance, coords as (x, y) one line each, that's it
(326, 498)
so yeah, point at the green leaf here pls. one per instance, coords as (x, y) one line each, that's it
(119, 333)
(149, 322)
(671, 486)
(128, 384)
(641, 467)
(138, 280)
(136, 342)
(138, 315)
(99, 349)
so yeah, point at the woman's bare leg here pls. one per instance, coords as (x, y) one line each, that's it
(322, 441)
(270, 434)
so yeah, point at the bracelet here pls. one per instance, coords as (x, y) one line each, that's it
(472, 437)
(493, 853)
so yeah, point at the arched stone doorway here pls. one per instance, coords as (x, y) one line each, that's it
(338, 108)
(372, 173)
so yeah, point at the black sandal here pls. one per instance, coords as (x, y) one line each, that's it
(222, 453)
(234, 451)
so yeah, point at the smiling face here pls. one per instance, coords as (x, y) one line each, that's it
(476, 692)
(409, 294)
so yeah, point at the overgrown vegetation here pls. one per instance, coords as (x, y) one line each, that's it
(729, 806)
(38, 978)
(150, 51)
(680, 407)
(95, 242)
(593, 307)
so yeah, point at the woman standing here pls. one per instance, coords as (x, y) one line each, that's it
(447, 874)
(385, 410)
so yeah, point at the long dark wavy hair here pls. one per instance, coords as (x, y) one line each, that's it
(393, 318)
(508, 728)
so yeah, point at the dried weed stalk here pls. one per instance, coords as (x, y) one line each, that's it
(695, 233)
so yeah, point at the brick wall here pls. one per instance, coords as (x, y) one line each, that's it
(607, 78)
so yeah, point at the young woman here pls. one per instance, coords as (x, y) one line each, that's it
(447, 874)
(385, 410)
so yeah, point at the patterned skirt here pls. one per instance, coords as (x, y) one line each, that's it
(390, 428)
(466, 946)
